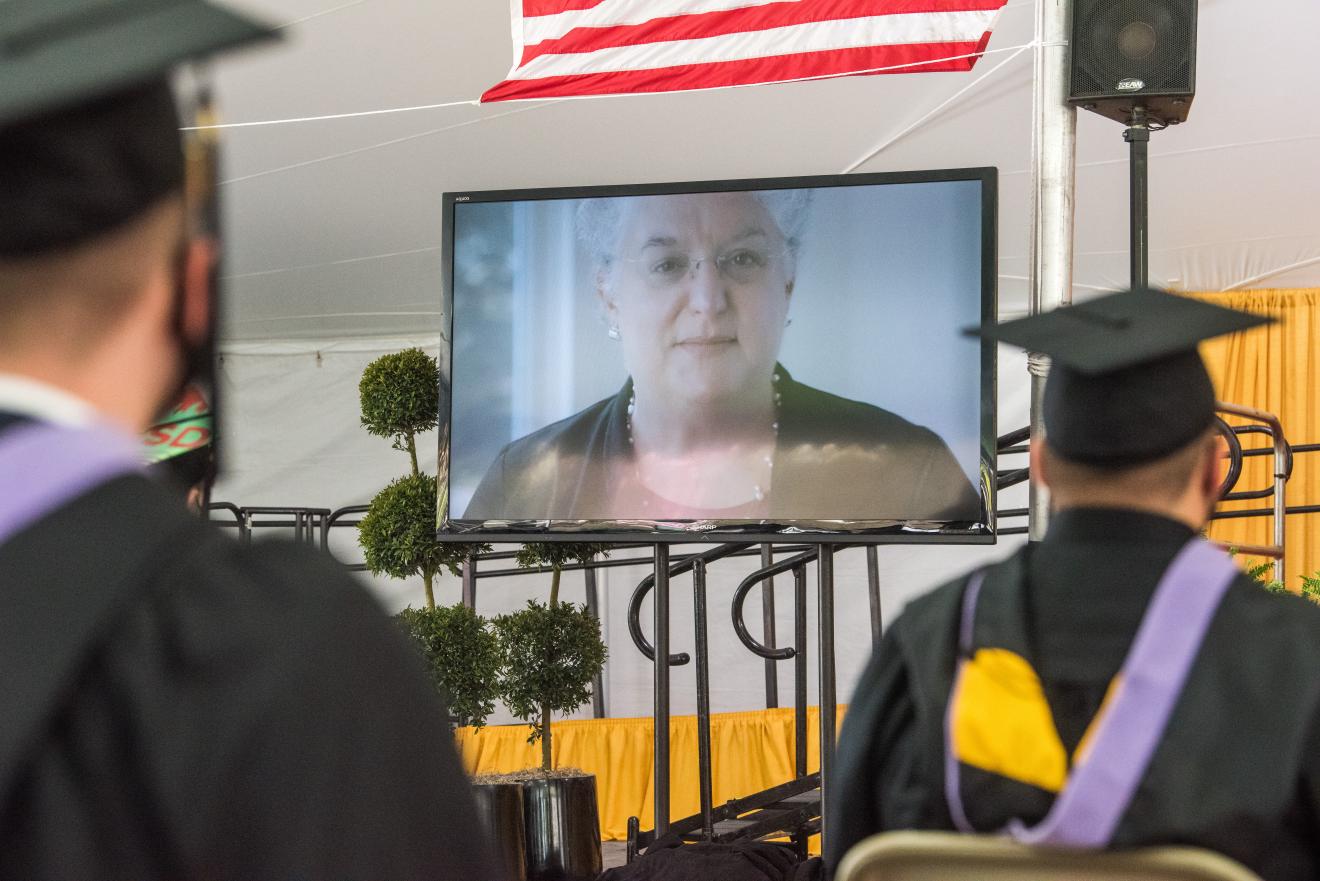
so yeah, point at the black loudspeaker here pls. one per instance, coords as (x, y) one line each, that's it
(1129, 53)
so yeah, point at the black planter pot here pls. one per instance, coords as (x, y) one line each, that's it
(563, 829)
(500, 813)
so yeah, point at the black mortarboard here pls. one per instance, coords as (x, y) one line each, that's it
(88, 127)
(1126, 383)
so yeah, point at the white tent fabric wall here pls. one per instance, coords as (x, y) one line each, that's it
(293, 439)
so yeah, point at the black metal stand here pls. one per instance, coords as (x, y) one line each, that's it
(661, 621)
(1137, 135)
(598, 709)
(768, 628)
(873, 592)
(825, 670)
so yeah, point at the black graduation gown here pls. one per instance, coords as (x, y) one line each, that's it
(243, 713)
(1238, 769)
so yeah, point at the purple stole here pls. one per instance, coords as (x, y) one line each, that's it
(43, 467)
(1130, 726)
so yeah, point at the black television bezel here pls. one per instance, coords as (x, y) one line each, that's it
(459, 530)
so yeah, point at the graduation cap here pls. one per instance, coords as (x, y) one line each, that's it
(88, 122)
(1126, 383)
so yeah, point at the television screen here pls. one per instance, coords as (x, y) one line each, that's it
(753, 358)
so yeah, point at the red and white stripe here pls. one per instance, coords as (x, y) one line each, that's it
(569, 48)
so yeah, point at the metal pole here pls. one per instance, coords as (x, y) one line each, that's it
(768, 629)
(825, 616)
(873, 591)
(593, 606)
(800, 670)
(703, 702)
(661, 696)
(1280, 490)
(1137, 135)
(1053, 162)
(470, 581)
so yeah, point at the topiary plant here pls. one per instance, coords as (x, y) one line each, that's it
(462, 655)
(550, 653)
(399, 397)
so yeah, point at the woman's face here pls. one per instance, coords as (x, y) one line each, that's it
(699, 290)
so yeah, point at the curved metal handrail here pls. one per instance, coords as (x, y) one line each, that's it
(226, 506)
(1234, 456)
(740, 597)
(1287, 463)
(332, 519)
(646, 584)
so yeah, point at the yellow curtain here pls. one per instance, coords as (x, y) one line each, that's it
(1276, 369)
(750, 751)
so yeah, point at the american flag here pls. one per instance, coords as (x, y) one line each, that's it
(569, 48)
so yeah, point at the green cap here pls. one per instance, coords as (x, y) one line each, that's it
(60, 52)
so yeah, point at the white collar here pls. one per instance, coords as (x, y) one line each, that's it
(44, 402)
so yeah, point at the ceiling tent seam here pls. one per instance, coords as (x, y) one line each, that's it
(1115, 252)
(1212, 148)
(1273, 272)
(342, 262)
(370, 147)
(274, 318)
(935, 111)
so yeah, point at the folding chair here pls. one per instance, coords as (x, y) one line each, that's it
(948, 856)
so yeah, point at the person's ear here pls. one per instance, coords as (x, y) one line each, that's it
(1211, 474)
(606, 298)
(195, 307)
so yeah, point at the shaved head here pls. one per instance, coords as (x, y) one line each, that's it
(70, 297)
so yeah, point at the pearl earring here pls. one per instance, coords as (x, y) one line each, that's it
(613, 332)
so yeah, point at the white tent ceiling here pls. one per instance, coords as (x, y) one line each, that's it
(334, 225)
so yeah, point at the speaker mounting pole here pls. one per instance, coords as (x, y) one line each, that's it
(1137, 134)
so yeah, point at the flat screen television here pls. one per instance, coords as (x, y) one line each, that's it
(769, 360)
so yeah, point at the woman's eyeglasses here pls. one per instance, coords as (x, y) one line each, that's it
(664, 269)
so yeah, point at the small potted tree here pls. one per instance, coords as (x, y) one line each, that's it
(399, 394)
(463, 657)
(550, 654)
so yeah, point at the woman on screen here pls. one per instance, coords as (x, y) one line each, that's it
(696, 289)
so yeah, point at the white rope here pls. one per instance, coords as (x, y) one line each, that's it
(369, 147)
(352, 115)
(886, 144)
(473, 102)
(339, 8)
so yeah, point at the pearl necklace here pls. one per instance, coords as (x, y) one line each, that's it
(757, 492)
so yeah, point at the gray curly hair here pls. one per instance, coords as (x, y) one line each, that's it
(599, 220)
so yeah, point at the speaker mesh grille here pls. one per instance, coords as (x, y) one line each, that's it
(1117, 41)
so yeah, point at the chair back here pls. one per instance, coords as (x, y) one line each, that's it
(949, 856)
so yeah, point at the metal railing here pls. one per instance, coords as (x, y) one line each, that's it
(314, 526)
